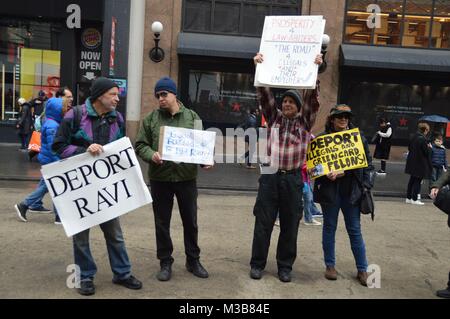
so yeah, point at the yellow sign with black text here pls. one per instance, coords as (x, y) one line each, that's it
(335, 152)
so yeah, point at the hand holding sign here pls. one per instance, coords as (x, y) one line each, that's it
(95, 149)
(289, 44)
(157, 158)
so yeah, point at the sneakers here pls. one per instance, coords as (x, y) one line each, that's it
(381, 172)
(130, 282)
(284, 275)
(317, 215)
(196, 268)
(87, 288)
(414, 202)
(313, 222)
(256, 273)
(21, 210)
(445, 293)
(330, 273)
(362, 278)
(41, 210)
(165, 273)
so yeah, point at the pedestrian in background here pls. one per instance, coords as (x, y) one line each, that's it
(438, 158)
(342, 191)
(24, 125)
(33, 202)
(418, 163)
(383, 143)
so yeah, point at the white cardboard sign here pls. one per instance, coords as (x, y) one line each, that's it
(90, 190)
(290, 45)
(187, 145)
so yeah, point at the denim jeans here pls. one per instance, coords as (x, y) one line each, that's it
(309, 207)
(352, 217)
(117, 252)
(34, 200)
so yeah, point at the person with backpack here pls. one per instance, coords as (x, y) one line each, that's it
(33, 202)
(86, 128)
(169, 179)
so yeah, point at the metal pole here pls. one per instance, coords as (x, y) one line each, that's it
(14, 93)
(3, 92)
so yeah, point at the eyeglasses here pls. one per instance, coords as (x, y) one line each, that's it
(342, 116)
(161, 94)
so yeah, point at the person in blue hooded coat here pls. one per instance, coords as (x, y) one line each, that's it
(54, 115)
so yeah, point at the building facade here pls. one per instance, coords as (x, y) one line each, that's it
(399, 68)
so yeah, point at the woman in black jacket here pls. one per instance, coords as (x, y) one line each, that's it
(343, 191)
(418, 163)
(383, 144)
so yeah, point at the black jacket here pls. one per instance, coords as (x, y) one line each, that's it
(326, 191)
(418, 163)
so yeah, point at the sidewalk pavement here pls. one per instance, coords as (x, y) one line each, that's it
(409, 243)
(15, 166)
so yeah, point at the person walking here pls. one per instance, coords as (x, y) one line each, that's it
(383, 143)
(418, 163)
(169, 179)
(342, 191)
(281, 191)
(33, 202)
(97, 124)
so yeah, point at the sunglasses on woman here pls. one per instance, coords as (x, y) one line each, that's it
(342, 116)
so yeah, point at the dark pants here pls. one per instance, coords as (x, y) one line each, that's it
(413, 187)
(383, 165)
(163, 194)
(278, 193)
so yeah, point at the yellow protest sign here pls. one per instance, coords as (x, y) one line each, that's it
(340, 151)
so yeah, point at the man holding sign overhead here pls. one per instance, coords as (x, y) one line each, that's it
(280, 190)
(169, 178)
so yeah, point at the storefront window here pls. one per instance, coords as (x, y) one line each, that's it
(356, 28)
(27, 62)
(244, 17)
(441, 25)
(406, 23)
(402, 104)
(221, 97)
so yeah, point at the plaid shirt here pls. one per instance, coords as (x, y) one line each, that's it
(289, 138)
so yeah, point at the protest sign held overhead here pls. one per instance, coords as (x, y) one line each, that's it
(187, 145)
(90, 190)
(290, 45)
(336, 152)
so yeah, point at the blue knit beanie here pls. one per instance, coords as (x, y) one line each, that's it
(166, 84)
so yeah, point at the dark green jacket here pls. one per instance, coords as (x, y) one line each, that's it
(148, 140)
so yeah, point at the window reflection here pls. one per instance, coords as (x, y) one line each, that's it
(221, 97)
(413, 23)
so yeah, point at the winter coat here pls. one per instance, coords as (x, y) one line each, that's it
(48, 130)
(326, 191)
(26, 121)
(147, 143)
(92, 129)
(438, 157)
(383, 143)
(418, 163)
